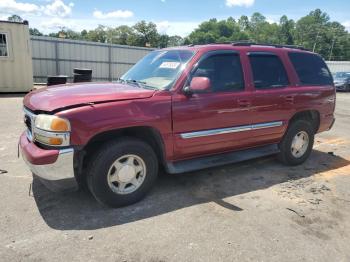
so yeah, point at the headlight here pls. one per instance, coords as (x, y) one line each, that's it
(51, 130)
(52, 123)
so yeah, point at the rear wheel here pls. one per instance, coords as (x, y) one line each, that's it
(121, 173)
(297, 143)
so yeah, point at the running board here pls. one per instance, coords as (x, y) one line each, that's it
(221, 159)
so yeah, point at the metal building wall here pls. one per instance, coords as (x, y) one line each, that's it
(338, 66)
(54, 56)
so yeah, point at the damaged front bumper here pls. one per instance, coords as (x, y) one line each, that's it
(55, 168)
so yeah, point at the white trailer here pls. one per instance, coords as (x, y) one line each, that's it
(16, 67)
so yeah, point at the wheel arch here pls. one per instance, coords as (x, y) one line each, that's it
(309, 115)
(148, 134)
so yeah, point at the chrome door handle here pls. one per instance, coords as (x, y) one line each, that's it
(289, 99)
(243, 103)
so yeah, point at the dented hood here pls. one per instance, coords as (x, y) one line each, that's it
(66, 96)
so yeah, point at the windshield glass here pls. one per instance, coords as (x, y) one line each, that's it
(159, 69)
(342, 75)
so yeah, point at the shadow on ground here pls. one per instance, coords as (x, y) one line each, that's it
(79, 210)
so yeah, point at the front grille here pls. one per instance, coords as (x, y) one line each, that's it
(29, 122)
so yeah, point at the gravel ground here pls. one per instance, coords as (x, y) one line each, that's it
(257, 210)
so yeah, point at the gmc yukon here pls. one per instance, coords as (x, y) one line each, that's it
(181, 109)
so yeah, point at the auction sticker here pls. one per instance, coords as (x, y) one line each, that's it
(169, 65)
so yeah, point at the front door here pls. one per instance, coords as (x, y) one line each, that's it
(216, 121)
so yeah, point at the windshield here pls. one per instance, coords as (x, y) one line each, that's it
(342, 75)
(159, 69)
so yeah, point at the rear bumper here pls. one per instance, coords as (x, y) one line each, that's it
(55, 168)
(326, 123)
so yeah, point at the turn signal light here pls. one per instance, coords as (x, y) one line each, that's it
(59, 124)
(55, 141)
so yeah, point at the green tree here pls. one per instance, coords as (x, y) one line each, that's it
(316, 32)
(175, 40)
(15, 18)
(216, 31)
(34, 31)
(97, 35)
(163, 41)
(286, 31)
(146, 33)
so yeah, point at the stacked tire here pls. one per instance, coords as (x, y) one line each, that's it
(82, 75)
(56, 80)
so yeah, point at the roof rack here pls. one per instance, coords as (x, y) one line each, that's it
(272, 45)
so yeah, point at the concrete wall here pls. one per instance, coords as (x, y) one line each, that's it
(16, 72)
(53, 56)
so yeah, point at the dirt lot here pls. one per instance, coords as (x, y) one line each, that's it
(257, 210)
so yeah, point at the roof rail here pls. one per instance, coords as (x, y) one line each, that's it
(272, 45)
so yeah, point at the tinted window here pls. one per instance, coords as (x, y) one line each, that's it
(311, 69)
(224, 72)
(268, 71)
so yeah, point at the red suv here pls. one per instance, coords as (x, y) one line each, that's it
(182, 109)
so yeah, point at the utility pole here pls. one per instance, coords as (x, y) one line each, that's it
(330, 53)
(318, 32)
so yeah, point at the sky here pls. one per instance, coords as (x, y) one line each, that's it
(171, 16)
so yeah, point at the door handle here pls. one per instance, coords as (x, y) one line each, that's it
(244, 103)
(289, 99)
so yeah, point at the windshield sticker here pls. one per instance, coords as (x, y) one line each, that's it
(170, 65)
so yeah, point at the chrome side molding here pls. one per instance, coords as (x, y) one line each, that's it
(227, 130)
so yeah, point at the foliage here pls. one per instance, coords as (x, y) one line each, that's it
(15, 18)
(314, 31)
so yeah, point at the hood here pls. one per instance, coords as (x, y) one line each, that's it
(340, 80)
(65, 96)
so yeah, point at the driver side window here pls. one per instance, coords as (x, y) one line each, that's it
(224, 72)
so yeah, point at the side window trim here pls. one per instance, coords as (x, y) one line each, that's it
(268, 54)
(213, 53)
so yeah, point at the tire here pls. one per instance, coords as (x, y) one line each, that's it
(100, 172)
(56, 80)
(288, 154)
(82, 71)
(77, 78)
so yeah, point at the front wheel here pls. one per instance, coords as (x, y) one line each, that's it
(122, 172)
(297, 143)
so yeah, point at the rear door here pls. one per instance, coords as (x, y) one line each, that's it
(217, 121)
(273, 99)
(315, 89)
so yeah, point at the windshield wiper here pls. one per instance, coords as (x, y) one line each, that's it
(132, 81)
(139, 83)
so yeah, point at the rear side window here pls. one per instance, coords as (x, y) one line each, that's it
(268, 71)
(224, 71)
(311, 69)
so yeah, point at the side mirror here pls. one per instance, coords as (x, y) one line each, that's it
(198, 85)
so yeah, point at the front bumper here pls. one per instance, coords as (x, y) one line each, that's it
(341, 87)
(55, 168)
